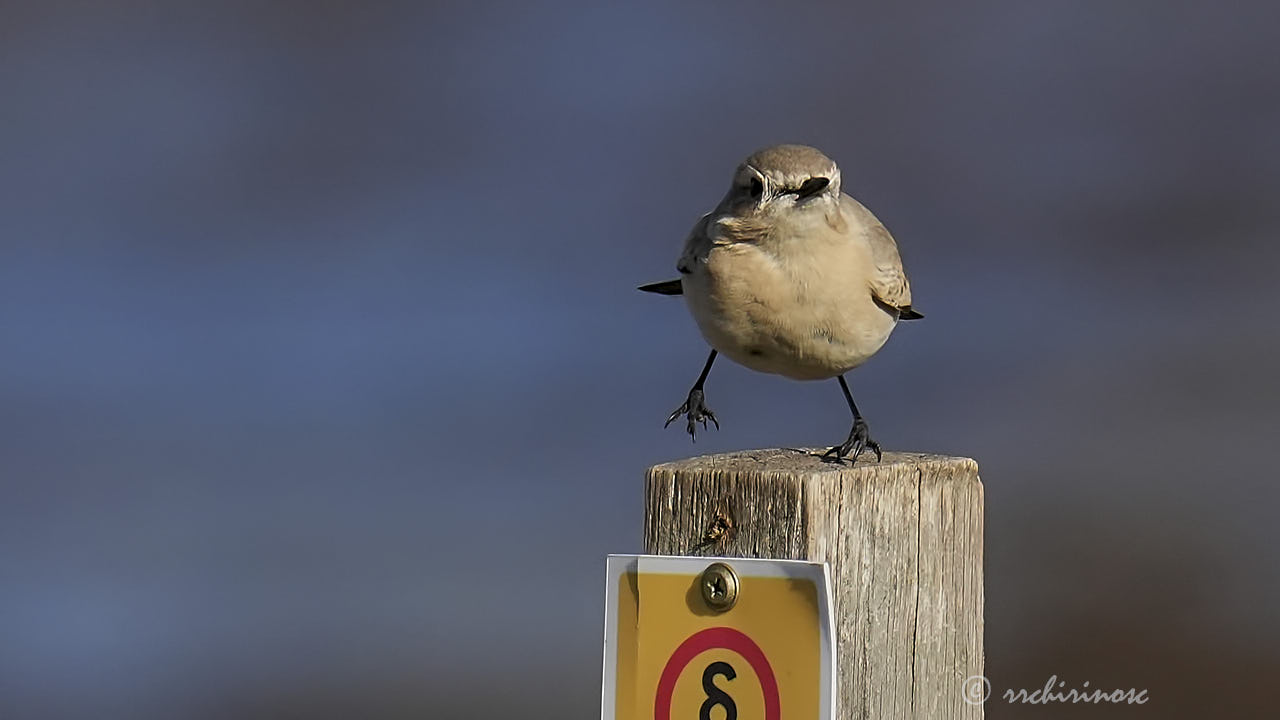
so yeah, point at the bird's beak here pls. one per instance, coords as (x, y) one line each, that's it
(811, 187)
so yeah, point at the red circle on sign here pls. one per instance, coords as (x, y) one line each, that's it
(710, 639)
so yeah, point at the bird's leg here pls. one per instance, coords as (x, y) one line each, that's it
(859, 437)
(695, 406)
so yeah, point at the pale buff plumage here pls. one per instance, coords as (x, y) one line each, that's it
(808, 289)
(788, 275)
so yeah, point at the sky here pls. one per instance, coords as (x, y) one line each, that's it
(326, 389)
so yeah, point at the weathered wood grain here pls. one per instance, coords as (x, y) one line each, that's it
(903, 538)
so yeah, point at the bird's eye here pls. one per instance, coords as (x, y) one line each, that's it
(812, 186)
(756, 188)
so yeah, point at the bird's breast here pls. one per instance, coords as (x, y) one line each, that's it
(806, 316)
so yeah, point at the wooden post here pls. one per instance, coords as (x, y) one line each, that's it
(903, 538)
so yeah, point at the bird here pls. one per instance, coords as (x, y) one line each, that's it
(788, 275)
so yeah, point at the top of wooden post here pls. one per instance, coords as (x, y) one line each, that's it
(903, 542)
(809, 462)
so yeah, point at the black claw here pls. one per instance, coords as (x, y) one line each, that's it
(859, 439)
(696, 411)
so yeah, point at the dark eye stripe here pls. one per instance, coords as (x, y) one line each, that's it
(812, 186)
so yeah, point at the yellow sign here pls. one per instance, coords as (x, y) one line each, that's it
(746, 640)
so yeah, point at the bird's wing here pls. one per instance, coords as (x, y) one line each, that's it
(696, 246)
(888, 280)
(666, 287)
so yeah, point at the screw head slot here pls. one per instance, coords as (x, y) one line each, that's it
(719, 586)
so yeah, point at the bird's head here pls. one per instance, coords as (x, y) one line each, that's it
(782, 178)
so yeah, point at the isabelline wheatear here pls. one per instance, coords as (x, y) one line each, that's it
(790, 276)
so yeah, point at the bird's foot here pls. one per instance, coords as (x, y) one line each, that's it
(696, 410)
(859, 440)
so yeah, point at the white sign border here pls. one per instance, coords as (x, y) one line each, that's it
(617, 565)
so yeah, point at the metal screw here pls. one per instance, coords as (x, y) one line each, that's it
(719, 585)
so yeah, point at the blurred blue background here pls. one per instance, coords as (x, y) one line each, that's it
(325, 388)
